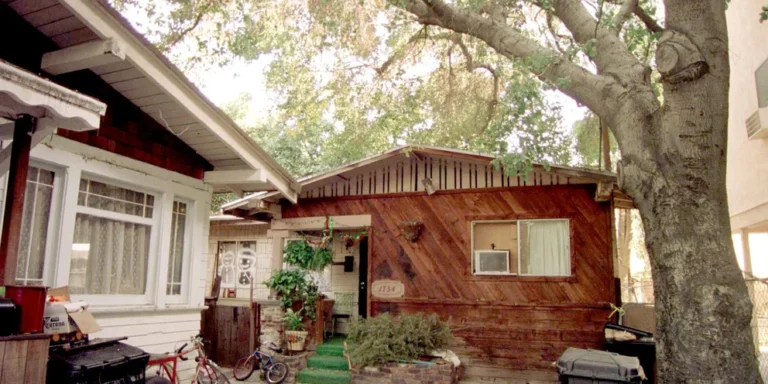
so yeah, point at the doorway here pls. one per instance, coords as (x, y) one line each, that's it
(362, 298)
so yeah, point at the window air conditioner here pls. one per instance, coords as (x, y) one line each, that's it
(757, 124)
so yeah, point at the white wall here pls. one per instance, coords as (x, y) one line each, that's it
(747, 175)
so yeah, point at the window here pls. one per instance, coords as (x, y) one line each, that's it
(761, 79)
(524, 247)
(35, 223)
(110, 249)
(176, 255)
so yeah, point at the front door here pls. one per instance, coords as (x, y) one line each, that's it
(362, 298)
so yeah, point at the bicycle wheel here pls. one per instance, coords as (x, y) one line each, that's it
(210, 374)
(277, 373)
(244, 368)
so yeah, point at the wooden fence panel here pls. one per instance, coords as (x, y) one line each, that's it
(227, 328)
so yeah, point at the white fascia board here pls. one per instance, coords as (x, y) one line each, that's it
(246, 176)
(82, 56)
(97, 17)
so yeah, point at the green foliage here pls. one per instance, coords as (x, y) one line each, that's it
(219, 199)
(309, 296)
(587, 142)
(293, 320)
(303, 255)
(764, 13)
(381, 339)
(290, 285)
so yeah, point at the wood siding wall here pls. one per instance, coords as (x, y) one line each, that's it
(406, 174)
(125, 130)
(518, 322)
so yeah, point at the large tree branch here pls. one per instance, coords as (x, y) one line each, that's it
(650, 23)
(611, 54)
(626, 10)
(594, 91)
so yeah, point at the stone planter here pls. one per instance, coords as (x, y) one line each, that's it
(397, 373)
(296, 340)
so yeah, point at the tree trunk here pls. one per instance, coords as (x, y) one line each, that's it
(703, 311)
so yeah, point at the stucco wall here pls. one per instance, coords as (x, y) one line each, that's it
(747, 176)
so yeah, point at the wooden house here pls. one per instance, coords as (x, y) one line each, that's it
(522, 266)
(110, 156)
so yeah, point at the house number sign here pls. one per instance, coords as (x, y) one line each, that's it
(387, 288)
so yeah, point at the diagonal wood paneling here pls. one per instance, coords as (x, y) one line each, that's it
(523, 322)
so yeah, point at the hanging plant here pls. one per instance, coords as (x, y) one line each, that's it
(303, 255)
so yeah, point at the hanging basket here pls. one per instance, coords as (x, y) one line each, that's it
(412, 230)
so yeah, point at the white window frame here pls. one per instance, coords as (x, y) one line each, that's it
(152, 257)
(71, 160)
(51, 245)
(518, 223)
(186, 261)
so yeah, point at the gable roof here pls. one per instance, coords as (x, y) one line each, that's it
(152, 83)
(579, 175)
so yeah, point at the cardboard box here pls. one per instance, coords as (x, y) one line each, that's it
(57, 320)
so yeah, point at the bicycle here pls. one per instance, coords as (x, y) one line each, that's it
(274, 372)
(206, 371)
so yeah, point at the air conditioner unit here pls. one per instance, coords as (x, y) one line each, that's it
(492, 262)
(757, 124)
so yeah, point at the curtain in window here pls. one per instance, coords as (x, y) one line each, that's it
(548, 248)
(109, 256)
(176, 256)
(34, 227)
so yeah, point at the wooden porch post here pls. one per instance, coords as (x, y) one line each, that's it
(14, 198)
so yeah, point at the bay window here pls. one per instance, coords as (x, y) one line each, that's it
(521, 247)
(113, 232)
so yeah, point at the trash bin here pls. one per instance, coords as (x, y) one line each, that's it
(644, 348)
(586, 366)
(31, 303)
(98, 362)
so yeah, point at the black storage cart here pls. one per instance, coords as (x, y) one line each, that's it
(99, 361)
(586, 366)
(644, 348)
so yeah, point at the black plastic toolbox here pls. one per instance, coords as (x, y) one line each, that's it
(99, 362)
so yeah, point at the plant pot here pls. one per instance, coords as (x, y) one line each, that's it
(296, 340)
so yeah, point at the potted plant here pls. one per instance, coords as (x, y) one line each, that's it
(295, 332)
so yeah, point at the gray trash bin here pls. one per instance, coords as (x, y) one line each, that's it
(586, 366)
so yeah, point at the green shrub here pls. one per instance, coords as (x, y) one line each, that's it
(380, 339)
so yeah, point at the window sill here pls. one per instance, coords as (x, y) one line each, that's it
(522, 279)
(104, 309)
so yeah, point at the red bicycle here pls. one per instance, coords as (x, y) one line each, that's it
(206, 371)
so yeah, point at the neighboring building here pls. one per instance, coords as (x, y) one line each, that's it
(747, 176)
(523, 267)
(116, 205)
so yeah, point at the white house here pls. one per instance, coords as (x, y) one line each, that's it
(116, 205)
(747, 174)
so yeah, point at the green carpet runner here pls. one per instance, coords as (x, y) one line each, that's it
(328, 366)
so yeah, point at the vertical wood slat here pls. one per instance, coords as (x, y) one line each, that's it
(37, 359)
(14, 362)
